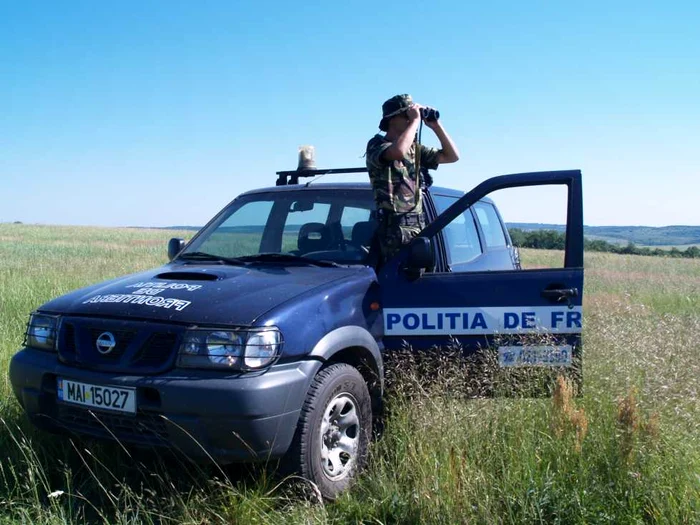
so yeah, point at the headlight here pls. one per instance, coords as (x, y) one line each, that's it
(41, 332)
(232, 350)
(261, 348)
(224, 348)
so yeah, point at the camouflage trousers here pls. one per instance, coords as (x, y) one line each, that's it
(397, 230)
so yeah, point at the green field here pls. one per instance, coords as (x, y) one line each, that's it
(627, 451)
(640, 235)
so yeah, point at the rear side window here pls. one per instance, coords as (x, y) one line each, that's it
(461, 237)
(490, 225)
(353, 215)
(350, 217)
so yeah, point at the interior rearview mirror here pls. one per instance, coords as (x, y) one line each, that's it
(175, 246)
(302, 206)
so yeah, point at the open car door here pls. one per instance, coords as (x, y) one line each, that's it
(521, 320)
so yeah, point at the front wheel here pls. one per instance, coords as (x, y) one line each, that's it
(330, 444)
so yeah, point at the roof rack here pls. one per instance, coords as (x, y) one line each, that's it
(295, 174)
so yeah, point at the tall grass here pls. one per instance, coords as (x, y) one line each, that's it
(626, 451)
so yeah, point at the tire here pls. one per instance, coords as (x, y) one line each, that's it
(332, 436)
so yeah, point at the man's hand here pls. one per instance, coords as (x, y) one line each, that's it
(432, 124)
(414, 112)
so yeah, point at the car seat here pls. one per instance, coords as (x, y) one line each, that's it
(313, 237)
(362, 234)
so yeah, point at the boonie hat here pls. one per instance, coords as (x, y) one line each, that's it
(392, 107)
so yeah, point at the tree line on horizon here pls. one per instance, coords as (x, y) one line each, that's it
(554, 240)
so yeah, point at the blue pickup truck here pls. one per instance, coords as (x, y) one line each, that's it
(265, 335)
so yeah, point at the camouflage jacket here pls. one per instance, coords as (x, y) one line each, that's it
(396, 185)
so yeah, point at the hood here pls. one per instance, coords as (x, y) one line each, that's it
(226, 295)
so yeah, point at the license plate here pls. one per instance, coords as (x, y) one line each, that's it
(509, 356)
(97, 396)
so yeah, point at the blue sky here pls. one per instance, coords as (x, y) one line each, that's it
(159, 113)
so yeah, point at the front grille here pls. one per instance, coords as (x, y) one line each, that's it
(122, 338)
(69, 338)
(141, 429)
(156, 350)
(66, 343)
(143, 347)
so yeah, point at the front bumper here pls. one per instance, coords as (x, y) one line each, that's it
(201, 413)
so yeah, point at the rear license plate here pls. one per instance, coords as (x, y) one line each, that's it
(509, 356)
(104, 397)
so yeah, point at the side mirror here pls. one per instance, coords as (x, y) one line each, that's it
(175, 246)
(421, 255)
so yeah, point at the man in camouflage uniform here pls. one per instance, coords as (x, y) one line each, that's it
(391, 161)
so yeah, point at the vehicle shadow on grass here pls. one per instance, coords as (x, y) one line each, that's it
(85, 480)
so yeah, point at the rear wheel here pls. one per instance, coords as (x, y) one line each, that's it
(330, 445)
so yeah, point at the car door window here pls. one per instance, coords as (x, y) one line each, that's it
(490, 225)
(461, 237)
(536, 219)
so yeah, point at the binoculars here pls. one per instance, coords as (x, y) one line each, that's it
(429, 114)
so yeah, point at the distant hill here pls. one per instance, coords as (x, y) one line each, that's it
(641, 235)
(644, 235)
(195, 228)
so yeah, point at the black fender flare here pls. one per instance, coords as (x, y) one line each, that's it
(349, 339)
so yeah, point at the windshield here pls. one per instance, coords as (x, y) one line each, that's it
(324, 225)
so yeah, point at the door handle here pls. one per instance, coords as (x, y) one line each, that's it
(560, 294)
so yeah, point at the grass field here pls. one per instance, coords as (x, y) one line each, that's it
(627, 451)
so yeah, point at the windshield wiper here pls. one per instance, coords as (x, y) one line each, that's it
(209, 257)
(288, 257)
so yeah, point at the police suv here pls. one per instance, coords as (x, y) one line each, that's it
(264, 336)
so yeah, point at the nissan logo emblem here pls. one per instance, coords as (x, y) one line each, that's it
(105, 343)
